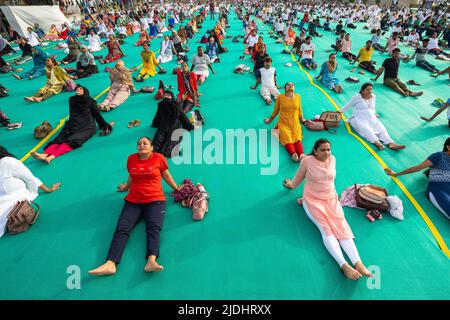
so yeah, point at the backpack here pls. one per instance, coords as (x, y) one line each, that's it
(204, 40)
(42, 130)
(331, 119)
(371, 197)
(22, 216)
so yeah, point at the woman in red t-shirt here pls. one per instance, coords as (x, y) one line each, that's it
(146, 200)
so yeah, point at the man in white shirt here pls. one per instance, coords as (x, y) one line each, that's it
(268, 80)
(413, 38)
(307, 54)
(433, 47)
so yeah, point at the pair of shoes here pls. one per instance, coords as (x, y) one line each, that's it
(16, 125)
(241, 57)
(134, 123)
(373, 215)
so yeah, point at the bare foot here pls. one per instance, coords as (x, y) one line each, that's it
(268, 101)
(38, 99)
(153, 266)
(109, 268)
(350, 272)
(49, 159)
(301, 156)
(379, 145)
(416, 94)
(295, 157)
(16, 76)
(363, 270)
(38, 156)
(394, 146)
(31, 99)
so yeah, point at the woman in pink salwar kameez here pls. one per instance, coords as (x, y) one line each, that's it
(321, 204)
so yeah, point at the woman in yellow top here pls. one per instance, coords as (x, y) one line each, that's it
(288, 105)
(149, 64)
(56, 81)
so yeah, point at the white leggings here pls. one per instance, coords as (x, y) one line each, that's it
(332, 244)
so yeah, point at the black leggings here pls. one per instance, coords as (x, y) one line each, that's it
(348, 55)
(426, 65)
(132, 213)
(368, 65)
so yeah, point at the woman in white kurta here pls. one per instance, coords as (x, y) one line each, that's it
(95, 44)
(32, 37)
(365, 119)
(167, 49)
(16, 183)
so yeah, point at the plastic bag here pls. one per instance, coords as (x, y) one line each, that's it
(395, 207)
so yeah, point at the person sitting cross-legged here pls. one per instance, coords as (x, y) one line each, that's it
(268, 80)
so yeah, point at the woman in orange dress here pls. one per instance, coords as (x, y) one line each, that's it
(321, 204)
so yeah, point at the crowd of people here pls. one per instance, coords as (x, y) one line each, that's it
(106, 24)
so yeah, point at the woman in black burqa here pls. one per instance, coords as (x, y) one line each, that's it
(168, 118)
(80, 127)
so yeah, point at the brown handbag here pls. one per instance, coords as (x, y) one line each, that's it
(22, 216)
(331, 118)
(42, 130)
(371, 197)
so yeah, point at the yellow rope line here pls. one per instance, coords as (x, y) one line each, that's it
(414, 202)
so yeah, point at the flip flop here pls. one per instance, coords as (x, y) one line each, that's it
(136, 123)
(15, 125)
(412, 82)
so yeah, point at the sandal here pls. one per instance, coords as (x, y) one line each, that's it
(136, 123)
(375, 214)
(130, 124)
(16, 125)
(413, 83)
(352, 79)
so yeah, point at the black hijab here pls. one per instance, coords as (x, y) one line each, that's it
(83, 101)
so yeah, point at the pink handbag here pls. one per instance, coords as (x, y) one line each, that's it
(70, 85)
(318, 125)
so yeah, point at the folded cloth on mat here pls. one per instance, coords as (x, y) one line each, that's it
(348, 198)
(193, 197)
